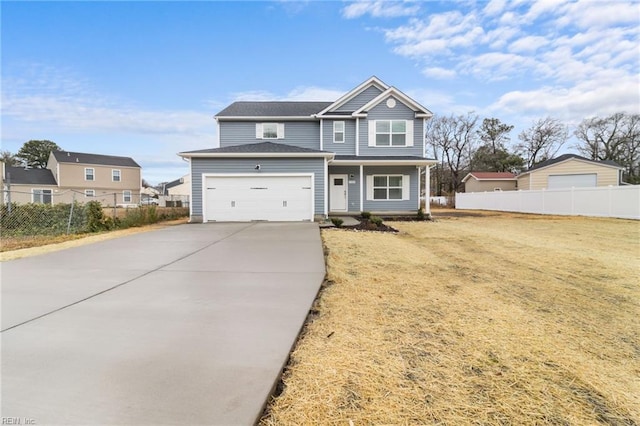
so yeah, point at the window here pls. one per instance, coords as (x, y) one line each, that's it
(41, 196)
(387, 187)
(115, 175)
(89, 174)
(89, 193)
(126, 196)
(390, 133)
(269, 130)
(338, 132)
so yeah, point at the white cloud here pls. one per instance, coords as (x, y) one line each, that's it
(439, 73)
(528, 44)
(494, 7)
(380, 9)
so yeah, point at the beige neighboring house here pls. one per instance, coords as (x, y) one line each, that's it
(77, 176)
(181, 186)
(570, 171)
(489, 181)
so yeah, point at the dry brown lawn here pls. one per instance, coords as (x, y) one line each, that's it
(488, 318)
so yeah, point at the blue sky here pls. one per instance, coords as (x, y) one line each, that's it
(144, 79)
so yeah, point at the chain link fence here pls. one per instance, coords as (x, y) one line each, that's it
(47, 215)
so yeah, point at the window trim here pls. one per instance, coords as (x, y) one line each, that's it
(335, 132)
(87, 191)
(260, 130)
(405, 186)
(113, 175)
(124, 196)
(408, 132)
(93, 174)
(388, 187)
(41, 195)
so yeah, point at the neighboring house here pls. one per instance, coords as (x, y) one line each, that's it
(570, 170)
(489, 181)
(290, 161)
(181, 186)
(29, 185)
(75, 176)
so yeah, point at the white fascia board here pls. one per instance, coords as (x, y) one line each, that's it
(336, 117)
(569, 159)
(373, 81)
(329, 155)
(268, 119)
(392, 91)
(387, 162)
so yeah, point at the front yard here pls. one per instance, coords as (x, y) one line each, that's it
(487, 318)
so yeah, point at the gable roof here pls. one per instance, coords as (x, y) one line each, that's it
(392, 91)
(22, 176)
(372, 81)
(567, 157)
(97, 159)
(260, 149)
(490, 176)
(272, 109)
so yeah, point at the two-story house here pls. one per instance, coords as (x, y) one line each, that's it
(76, 176)
(291, 161)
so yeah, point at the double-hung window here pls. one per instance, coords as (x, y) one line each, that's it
(387, 187)
(115, 175)
(390, 133)
(89, 173)
(269, 130)
(89, 193)
(41, 196)
(338, 132)
(126, 196)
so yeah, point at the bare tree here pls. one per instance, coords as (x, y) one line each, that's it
(542, 140)
(9, 159)
(615, 138)
(453, 140)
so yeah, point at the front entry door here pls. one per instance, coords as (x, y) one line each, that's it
(338, 193)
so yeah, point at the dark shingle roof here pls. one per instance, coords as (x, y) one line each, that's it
(104, 160)
(20, 175)
(258, 148)
(273, 109)
(565, 157)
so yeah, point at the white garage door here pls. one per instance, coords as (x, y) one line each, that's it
(246, 198)
(586, 180)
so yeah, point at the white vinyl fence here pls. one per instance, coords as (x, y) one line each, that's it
(612, 201)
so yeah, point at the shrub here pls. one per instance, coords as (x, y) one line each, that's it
(376, 220)
(421, 214)
(365, 215)
(337, 221)
(96, 220)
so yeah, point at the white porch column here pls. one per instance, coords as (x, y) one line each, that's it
(326, 187)
(427, 190)
(361, 188)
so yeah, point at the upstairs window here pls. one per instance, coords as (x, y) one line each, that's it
(41, 196)
(338, 132)
(269, 130)
(89, 174)
(115, 175)
(390, 133)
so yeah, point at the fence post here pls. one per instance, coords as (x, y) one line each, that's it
(73, 203)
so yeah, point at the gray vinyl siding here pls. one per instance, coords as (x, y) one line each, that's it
(361, 100)
(349, 145)
(399, 112)
(353, 194)
(247, 166)
(305, 134)
(393, 205)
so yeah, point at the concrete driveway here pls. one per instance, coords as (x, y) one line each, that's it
(190, 324)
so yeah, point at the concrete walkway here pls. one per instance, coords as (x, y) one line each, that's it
(190, 324)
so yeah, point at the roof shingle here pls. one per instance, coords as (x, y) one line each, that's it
(22, 176)
(103, 160)
(257, 148)
(272, 109)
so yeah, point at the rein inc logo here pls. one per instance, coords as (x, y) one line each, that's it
(17, 421)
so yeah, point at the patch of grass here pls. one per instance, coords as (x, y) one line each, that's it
(489, 319)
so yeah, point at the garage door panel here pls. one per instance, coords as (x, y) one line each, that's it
(275, 198)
